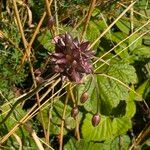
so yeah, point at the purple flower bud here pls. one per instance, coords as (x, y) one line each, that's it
(74, 63)
(68, 57)
(84, 46)
(61, 61)
(74, 112)
(95, 120)
(57, 69)
(72, 58)
(50, 22)
(84, 97)
(58, 55)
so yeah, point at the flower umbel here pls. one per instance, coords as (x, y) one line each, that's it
(72, 58)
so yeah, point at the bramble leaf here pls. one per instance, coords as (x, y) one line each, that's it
(106, 130)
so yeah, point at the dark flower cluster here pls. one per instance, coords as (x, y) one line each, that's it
(72, 58)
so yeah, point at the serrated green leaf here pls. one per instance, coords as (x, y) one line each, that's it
(57, 117)
(73, 144)
(13, 120)
(119, 36)
(107, 92)
(121, 125)
(89, 87)
(133, 42)
(102, 132)
(115, 144)
(106, 130)
(111, 92)
(123, 25)
(142, 51)
(130, 109)
(130, 104)
(14, 117)
(123, 72)
(122, 142)
(143, 90)
(92, 32)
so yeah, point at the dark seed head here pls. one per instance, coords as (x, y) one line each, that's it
(38, 72)
(39, 79)
(50, 22)
(72, 57)
(84, 97)
(68, 40)
(74, 112)
(96, 120)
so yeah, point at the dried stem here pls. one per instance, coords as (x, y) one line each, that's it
(28, 49)
(48, 8)
(63, 122)
(72, 95)
(56, 18)
(112, 24)
(122, 42)
(144, 133)
(131, 18)
(20, 25)
(89, 13)
(37, 141)
(77, 130)
(49, 14)
(35, 33)
(29, 114)
(121, 50)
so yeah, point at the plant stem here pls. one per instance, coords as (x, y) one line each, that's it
(145, 132)
(75, 101)
(56, 17)
(111, 25)
(31, 41)
(47, 8)
(27, 48)
(19, 24)
(35, 34)
(91, 8)
(72, 96)
(62, 122)
(77, 131)
(131, 18)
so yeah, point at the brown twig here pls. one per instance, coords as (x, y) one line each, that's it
(20, 25)
(31, 112)
(27, 54)
(112, 24)
(31, 41)
(35, 34)
(25, 43)
(89, 13)
(145, 132)
(47, 8)
(63, 122)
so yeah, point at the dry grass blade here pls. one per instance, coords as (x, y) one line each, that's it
(121, 50)
(111, 25)
(119, 43)
(24, 118)
(115, 72)
(18, 140)
(88, 16)
(37, 140)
